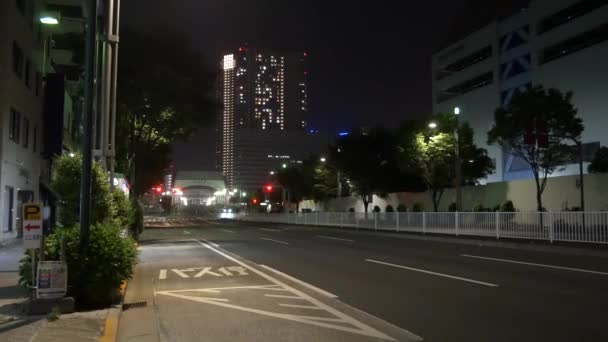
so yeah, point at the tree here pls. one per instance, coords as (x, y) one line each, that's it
(599, 164)
(430, 153)
(534, 127)
(367, 160)
(164, 93)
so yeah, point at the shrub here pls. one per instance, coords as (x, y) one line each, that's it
(507, 206)
(122, 208)
(137, 227)
(389, 209)
(479, 208)
(66, 184)
(401, 208)
(496, 208)
(452, 207)
(351, 210)
(96, 279)
(418, 207)
(376, 209)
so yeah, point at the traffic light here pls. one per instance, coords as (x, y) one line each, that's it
(268, 188)
(254, 201)
(158, 189)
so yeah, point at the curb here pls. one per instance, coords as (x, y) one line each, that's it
(110, 329)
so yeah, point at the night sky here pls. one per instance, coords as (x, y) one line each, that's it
(370, 63)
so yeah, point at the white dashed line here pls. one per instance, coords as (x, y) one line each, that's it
(533, 264)
(334, 238)
(271, 230)
(433, 273)
(277, 241)
(229, 231)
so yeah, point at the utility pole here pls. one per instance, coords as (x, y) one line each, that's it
(87, 122)
(458, 165)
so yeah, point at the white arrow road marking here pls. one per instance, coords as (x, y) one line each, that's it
(296, 280)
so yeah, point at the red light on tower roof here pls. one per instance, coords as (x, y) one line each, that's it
(305, 54)
(242, 49)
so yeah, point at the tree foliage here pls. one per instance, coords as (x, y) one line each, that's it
(164, 93)
(553, 111)
(431, 153)
(599, 164)
(368, 162)
(66, 184)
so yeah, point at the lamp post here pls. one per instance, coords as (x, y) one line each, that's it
(458, 165)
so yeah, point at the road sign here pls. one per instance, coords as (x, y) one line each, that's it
(32, 225)
(52, 279)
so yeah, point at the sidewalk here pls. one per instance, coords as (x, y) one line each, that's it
(15, 326)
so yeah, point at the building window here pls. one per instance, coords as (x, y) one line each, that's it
(14, 126)
(465, 62)
(568, 14)
(21, 6)
(467, 86)
(26, 132)
(575, 44)
(17, 60)
(28, 73)
(35, 139)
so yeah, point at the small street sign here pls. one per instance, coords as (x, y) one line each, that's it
(32, 225)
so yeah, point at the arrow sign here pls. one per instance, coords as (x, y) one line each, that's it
(30, 227)
(32, 223)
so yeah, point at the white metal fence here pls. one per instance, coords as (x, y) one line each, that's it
(590, 227)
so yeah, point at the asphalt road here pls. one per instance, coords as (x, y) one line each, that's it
(266, 282)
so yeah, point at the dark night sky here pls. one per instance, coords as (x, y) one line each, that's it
(370, 62)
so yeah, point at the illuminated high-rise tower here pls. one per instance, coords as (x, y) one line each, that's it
(263, 94)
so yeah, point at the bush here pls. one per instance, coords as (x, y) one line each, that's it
(351, 210)
(401, 208)
(66, 184)
(137, 227)
(479, 208)
(122, 208)
(95, 280)
(452, 207)
(389, 209)
(507, 206)
(376, 209)
(418, 207)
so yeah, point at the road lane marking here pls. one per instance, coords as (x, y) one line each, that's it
(534, 264)
(334, 238)
(301, 306)
(282, 296)
(283, 242)
(271, 230)
(296, 280)
(207, 270)
(433, 273)
(162, 275)
(211, 243)
(229, 231)
(359, 327)
(187, 232)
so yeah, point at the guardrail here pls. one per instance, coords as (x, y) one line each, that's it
(589, 227)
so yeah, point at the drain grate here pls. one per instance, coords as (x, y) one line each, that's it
(127, 306)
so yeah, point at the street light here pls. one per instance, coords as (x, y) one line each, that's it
(284, 166)
(272, 173)
(433, 125)
(457, 110)
(49, 20)
(323, 160)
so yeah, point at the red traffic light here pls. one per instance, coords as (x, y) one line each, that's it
(158, 189)
(268, 188)
(255, 201)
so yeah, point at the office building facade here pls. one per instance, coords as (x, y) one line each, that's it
(559, 44)
(265, 113)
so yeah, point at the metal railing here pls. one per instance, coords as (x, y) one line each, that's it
(589, 227)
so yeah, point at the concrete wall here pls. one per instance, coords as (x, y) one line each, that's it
(561, 193)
